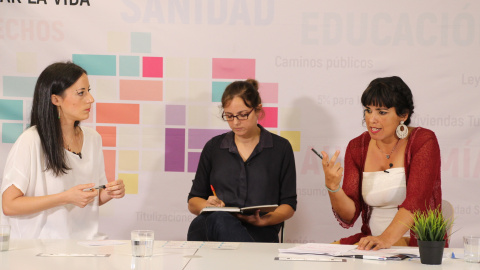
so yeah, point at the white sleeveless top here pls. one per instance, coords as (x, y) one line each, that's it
(384, 192)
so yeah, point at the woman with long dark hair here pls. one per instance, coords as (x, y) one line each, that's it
(54, 174)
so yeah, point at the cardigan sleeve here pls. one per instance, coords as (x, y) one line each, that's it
(423, 179)
(351, 179)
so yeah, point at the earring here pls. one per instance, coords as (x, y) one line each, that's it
(402, 130)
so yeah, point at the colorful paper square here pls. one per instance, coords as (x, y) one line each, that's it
(131, 182)
(153, 67)
(128, 160)
(228, 68)
(141, 42)
(175, 114)
(129, 65)
(270, 120)
(293, 137)
(11, 132)
(109, 135)
(217, 90)
(193, 158)
(11, 109)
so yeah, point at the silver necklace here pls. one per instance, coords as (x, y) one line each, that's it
(387, 155)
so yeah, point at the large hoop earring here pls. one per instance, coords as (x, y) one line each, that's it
(402, 130)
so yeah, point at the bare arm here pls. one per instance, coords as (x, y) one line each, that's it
(15, 203)
(341, 203)
(196, 204)
(398, 227)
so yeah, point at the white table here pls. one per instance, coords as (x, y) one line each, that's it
(250, 256)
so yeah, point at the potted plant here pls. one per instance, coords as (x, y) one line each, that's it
(430, 229)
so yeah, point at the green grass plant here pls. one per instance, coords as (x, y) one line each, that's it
(430, 225)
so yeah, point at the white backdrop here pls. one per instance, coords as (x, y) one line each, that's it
(315, 58)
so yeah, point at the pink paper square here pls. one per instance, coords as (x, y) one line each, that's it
(153, 67)
(271, 117)
(268, 92)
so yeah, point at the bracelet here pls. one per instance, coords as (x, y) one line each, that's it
(331, 190)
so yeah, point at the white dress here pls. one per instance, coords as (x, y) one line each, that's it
(384, 192)
(25, 169)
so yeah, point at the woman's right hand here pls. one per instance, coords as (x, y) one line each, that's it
(215, 201)
(81, 195)
(333, 171)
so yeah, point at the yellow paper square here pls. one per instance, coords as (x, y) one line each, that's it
(131, 182)
(128, 136)
(105, 89)
(175, 67)
(118, 42)
(290, 118)
(153, 138)
(199, 91)
(293, 137)
(152, 114)
(128, 160)
(200, 68)
(153, 160)
(175, 91)
(27, 62)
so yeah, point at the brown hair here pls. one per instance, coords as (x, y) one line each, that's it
(246, 90)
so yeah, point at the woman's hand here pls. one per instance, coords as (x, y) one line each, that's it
(81, 195)
(333, 171)
(373, 243)
(214, 201)
(254, 219)
(115, 189)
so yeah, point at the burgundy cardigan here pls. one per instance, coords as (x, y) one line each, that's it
(422, 170)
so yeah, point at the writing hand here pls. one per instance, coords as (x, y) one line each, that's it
(333, 171)
(77, 196)
(215, 201)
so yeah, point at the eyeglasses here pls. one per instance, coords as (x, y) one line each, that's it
(241, 116)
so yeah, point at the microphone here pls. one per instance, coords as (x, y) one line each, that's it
(391, 165)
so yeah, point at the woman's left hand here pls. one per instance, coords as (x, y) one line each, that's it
(373, 243)
(254, 219)
(115, 189)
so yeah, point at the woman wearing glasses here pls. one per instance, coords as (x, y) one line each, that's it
(247, 166)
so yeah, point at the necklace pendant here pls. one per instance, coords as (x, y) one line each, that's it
(388, 156)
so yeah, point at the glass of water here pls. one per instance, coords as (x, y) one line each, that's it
(142, 243)
(4, 237)
(471, 246)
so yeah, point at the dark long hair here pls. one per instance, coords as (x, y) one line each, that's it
(390, 92)
(53, 80)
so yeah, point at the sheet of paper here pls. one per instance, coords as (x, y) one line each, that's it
(71, 255)
(101, 243)
(319, 249)
(189, 244)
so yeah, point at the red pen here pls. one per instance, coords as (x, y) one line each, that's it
(213, 190)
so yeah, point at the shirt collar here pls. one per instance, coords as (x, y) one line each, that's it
(266, 140)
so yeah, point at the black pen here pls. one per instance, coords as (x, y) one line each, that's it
(97, 187)
(319, 155)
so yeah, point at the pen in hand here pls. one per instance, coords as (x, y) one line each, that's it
(213, 190)
(316, 153)
(97, 187)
